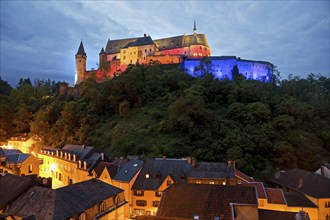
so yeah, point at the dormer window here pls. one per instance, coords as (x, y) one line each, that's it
(79, 164)
(168, 182)
(102, 207)
(147, 176)
(212, 182)
(82, 216)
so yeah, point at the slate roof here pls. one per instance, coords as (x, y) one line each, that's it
(146, 40)
(128, 171)
(9, 151)
(276, 215)
(313, 184)
(64, 202)
(297, 199)
(183, 201)
(259, 187)
(114, 46)
(81, 50)
(211, 170)
(15, 158)
(12, 186)
(112, 169)
(275, 195)
(158, 170)
(181, 41)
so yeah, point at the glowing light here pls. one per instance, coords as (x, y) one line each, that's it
(52, 167)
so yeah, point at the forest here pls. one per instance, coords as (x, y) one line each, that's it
(152, 111)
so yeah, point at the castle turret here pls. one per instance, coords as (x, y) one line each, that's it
(102, 56)
(81, 58)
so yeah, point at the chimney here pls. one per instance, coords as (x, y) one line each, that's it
(277, 173)
(301, 182)
(83, 146)
(189, 160)
(164, 157)
(229, 163)
(194, 162)
(322, 171)
(102, 156)
(145, 35)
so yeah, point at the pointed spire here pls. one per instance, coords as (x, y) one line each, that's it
(81, 50)
(102, 51)
(195, 26)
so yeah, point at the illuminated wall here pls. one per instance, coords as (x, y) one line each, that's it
(222, 68)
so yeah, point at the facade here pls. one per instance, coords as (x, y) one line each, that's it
(91, 199)
(22, 142)
(18, 163)
(71, 164)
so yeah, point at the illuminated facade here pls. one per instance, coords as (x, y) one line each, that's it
(71, 164)
(223, 67)
(22, 142)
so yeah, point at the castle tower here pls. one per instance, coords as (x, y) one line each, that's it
(81, 58)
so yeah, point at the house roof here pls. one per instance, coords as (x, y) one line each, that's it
(64, 202)
(12, 186)
(297, 199)
(259, 187)
(306, 182)
(211, 170)
(186, 200)
(158, 169)
(128, 171)
(15, 158)
(243, 176)
(112, 169)
(275, 196)
(9, 151)
(275, 215)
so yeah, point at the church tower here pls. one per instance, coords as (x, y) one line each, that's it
(81, 58)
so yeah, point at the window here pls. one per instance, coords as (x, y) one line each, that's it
(30, 168)
(212, 182)
(196, 217)
(155, 203)
(168, 182)
(139, 211)
(147, 176)
(102, 207)
(60, 176)
(141, 202)
(124, 57)
(158, 193)
(138, 193)
(327, 205)
(82, 216)
(198, 181)
(239, 182)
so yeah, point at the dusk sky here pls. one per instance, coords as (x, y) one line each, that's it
(39, 39)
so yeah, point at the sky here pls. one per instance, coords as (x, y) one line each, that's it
(39, 39)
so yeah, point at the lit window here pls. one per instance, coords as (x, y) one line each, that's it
(138, 193)
(141, 202)
(30, 168)
(158, 193)
(155, 203)
(169, 182)
(211, 181)
(196, 217)
(147, 175)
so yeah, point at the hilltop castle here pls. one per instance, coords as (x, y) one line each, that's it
(186, 50)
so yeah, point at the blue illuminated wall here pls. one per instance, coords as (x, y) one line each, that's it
(222, 68)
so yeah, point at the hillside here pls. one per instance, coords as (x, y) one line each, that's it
(149, 111)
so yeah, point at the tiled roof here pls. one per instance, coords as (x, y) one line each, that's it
(276, 215)
(260, 189)
(128, 171)
(158, 170)
(12, 186)
(183, 201)
(243, 176)
(64, 202)
(211, 170)
(297, 199)
(306, 182)
(275, 196)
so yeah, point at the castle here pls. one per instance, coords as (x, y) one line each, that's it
(186, 50)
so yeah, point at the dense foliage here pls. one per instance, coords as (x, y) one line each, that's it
(151, 111)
